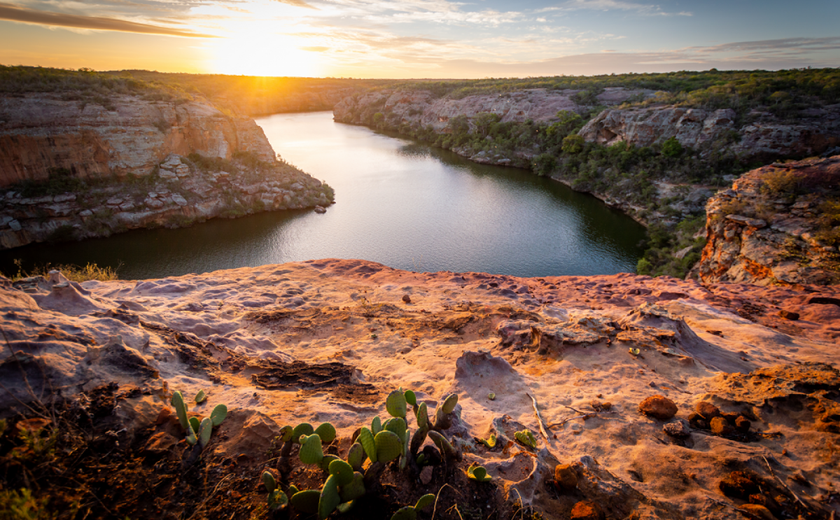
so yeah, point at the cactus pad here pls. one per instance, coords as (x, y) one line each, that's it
(388, 446)
(301, 429)
(396, 425)
(395, 404)
(329, 498)
(526, 438)
(376, 425)
(355, 489)
(180, 409)
(342, 470)
(424, 501)
(449, 403)
(443, 445)
(200, 397)
(306, 501)
(422, 417)
(195, 424)
(368, 443)
(356, 456)
(191, 438)
(325, 462)
(326, 431)
(277, 499)
(268, 481)
(405, 513)
(310, 449)
(411, 397)
(490, 441)
(286, 433)
(204, 431)
(478, 473)
(218, 414)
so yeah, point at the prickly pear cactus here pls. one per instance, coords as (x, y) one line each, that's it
(195, 423)
(180, 409)
(356, 456)
(411, 397)
(490, 442)
(368, 443)
(326, 431)
(306, 501)
(329, 498)
(355, 489)
(526, 438)
(277, 499)
(286, 433)
(396, 425)
(302, 429)
(388, 446)
(191, 438)
(395, 404)
(200, 397)
(444, 446)
(405, 513)
(204, 431)
(449, 403)
(422, 417)
(478, 473)
(310, 449)
(218, 414)
(325, 462)
(376, 425)
(269, 481)
(424, 501)
(343, 470)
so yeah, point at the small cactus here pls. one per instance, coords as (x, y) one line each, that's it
(526, 438)
(195, 423)
(356, 456)
(326, 431)
(490, 441)
(306, 501)
(444, 446)
(449, 403)
(310, 449)
(218, 414)
(355, 489)
(204, 431)
(478, 473)
(329, 498)
(410, 512)
(286, 433)
(396, 404)
(269, 481)
(411, 397)
(388, 446)
(302, 429)
(200, 397)
(277, 499)
(368, 443)
(180, 409)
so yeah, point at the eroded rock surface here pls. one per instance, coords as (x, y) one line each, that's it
(329, 339)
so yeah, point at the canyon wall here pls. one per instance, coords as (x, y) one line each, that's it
(41, 133)
(777, 224)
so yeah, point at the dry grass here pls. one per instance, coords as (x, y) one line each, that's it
(74, 273)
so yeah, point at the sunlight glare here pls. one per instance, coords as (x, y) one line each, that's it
(255, 54)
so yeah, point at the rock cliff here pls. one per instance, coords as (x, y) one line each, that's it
(743, 394)
(763, 137)
(75, 170)
(44, 132)
(777, 224)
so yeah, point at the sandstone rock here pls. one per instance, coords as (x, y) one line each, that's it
(720, 426)
(15, 225)
(67, 197)
(114, 201)
(658, 407)
(742, 424)
(406, 298)
(178, 199)
(426, 474)
(789, 315)
(586, 510)
(678, 429)
(739, 484)
(565, 478)
(86, 213)
(757, 512)
(707, 410)
(153, 203)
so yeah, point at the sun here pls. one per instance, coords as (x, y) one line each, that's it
(254, 54)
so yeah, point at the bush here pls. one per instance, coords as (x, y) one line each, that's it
(544, 164)
(672, 148)
(572, 144)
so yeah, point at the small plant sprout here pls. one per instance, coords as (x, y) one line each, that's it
(276, 498)
(410, 512)
(491, 396)
(478, 473)
(634, 351)
(526, 438)
(490, 441)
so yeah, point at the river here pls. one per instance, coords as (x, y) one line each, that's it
(400, 203)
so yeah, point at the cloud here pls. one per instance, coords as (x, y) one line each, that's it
(315, 49)
(22, 14)
(612, 5)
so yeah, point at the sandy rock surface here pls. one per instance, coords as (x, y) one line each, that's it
(327, 340)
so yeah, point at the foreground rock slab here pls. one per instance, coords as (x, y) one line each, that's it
(327, 340)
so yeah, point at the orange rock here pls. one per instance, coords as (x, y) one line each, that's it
(658, 407)
(586, 510)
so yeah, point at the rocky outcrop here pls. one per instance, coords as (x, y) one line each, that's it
(328, 340)
(763, 136)
(180, 193)
(775, 226)
(421, 107)
(41, 133)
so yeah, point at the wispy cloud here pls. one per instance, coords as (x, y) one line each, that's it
(16, 13)
(613, 5)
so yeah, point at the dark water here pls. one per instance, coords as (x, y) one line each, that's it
(397, 202)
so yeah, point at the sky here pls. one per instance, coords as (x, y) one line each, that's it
(420, 38)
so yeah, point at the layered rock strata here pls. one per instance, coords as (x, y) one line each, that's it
(776, 225)
(44, 132)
